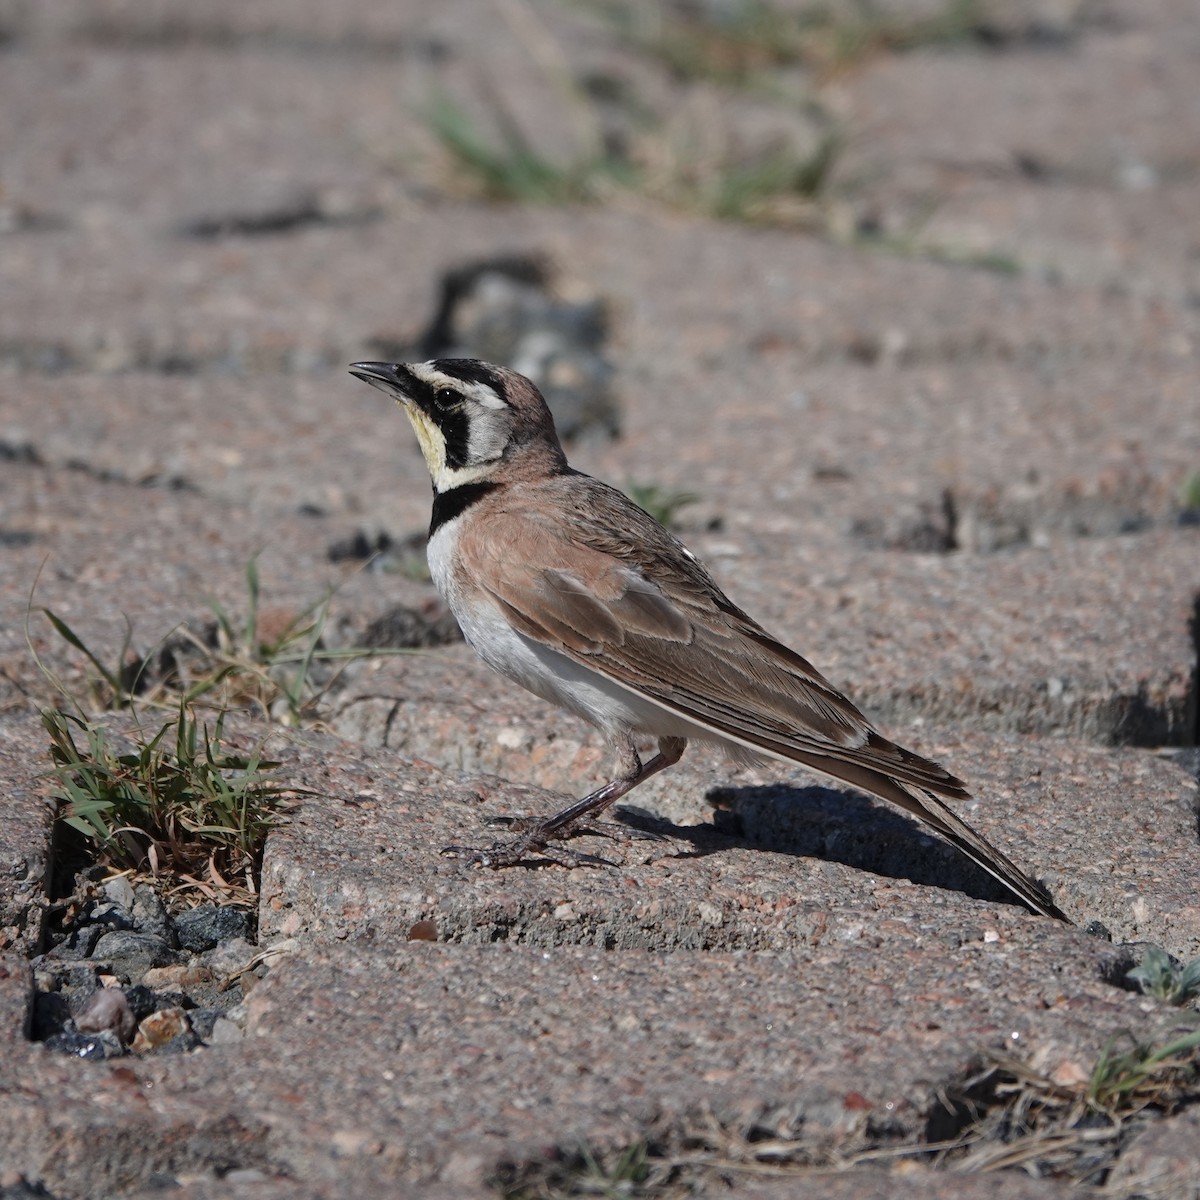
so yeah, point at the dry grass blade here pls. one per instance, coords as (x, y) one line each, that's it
(1013, 1117)
(1143, 1075)
(1021, 1118)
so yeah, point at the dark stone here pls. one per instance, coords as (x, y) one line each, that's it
(108, 916)
(150, 915)
(188, 1040)
(86, 1045)
(79, 942)
(133, 954)
(51, 1015)
(142, 1001)
(203, 1020)
(207, 925)
(403, 627)
(359, 547)
(1116, 963)
(69, 975)
(504, 309)
(22, 1189)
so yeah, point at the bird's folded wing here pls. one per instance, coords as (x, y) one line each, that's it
(682, 643)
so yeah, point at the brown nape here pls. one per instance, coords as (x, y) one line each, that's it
(533, 450)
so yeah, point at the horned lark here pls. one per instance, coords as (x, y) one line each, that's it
(565, 586)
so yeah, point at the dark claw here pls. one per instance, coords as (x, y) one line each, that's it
(535, 837)
(521, 851)
(516, 824)
(501, 854)
(613, 830)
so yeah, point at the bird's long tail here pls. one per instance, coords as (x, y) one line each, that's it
(927, 807)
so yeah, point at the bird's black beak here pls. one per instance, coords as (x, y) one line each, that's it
(388, 377)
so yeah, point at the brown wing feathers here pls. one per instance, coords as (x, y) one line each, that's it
(678, 640)
(746, 686)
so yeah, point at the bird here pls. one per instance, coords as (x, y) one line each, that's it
(564, 585)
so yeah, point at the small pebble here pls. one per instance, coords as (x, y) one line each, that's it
(142, 1001)
(203, 1020)
(225, 1032)
(79, 943)
(132, 953)
(229, 957)
(150, 914)
(51, 1015)
(120, 891)
(45, 980)
(208, 925)
(176, 978)
(107, 1009)
(110, 916)
(86, 1045)
(159, 1028)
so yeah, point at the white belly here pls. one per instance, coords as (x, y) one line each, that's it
(607, 704)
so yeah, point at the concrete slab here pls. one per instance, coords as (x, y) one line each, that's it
(1101, 135)
(479, 1037)
(25, 833)
(16, 999)
(435, 1064)
(1077, 232)
(720, 289)
(813, 866)
(758, 1181)
(965, 455)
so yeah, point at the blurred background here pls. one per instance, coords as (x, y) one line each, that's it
(891, 306)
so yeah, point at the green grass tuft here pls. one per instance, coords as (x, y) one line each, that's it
(751, 192)
(1189, 494)
(178, 805)
(1146, 1074)
(743, 42)
(513, 170)
(271, 663)
(1165, 980)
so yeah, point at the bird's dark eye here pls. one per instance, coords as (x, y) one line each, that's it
(446, 397)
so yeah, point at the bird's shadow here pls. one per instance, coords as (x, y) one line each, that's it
(831, 824)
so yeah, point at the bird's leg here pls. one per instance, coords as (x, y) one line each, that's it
(538, 832)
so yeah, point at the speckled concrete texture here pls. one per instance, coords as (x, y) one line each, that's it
(28, 814)
(452, 1060)
(811, 864)
(943, 438)
(1163, 1159)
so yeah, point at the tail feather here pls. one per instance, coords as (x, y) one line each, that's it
(927, 807)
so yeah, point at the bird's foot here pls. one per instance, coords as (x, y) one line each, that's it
(613, 830)
(524, 849)
(536, 837)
